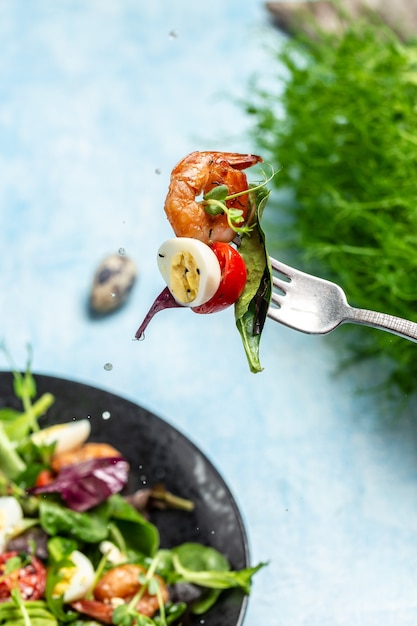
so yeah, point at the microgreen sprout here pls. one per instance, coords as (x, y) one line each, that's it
(17, 600)
(127, 614)
(214, 202)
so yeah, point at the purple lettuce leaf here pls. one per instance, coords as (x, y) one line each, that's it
(165, 300)
(85, 485)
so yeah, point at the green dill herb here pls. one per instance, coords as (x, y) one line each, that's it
(341, 122)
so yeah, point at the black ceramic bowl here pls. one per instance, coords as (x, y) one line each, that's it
(157, 452)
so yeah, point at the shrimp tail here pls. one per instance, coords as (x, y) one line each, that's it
(240, 161)
(95, 609)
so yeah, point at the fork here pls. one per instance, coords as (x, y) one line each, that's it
(316, 306)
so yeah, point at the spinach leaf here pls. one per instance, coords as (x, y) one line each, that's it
(91, 527)
(138, 534)
(60, 548)
(197, 557)
(205, 566)
(252, 306)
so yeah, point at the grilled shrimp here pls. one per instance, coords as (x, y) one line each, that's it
(84, 453)
(197, 174)
(116, 586)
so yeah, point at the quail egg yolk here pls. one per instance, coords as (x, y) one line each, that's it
(76, 580)
(185, 277)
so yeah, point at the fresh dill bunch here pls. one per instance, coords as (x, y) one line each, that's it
(341, 122)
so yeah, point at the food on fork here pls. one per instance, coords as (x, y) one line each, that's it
(218, 257)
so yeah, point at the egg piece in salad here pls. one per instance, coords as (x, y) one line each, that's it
(190, 269)
(75, 581)
(11, 518)
(67, 437)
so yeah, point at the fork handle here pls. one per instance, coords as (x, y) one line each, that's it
(383, 321)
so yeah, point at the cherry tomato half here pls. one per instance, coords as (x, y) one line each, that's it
(45, 477)
(30, 578)
(233, 279)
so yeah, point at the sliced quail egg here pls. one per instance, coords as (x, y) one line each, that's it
(76, 581)
(68, 436)
(11, 517)
(112, 552)
(190, 269)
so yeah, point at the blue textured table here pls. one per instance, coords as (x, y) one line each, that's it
(98, 101)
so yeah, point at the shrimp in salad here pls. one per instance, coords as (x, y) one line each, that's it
(196, 175)
(117, 586)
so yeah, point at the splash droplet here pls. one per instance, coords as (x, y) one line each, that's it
(108, 366)
(173, 34)
(157, 171)
(122, 251)
(106, 415)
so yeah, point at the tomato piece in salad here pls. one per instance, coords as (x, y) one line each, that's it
(232, 281)
(29, 576)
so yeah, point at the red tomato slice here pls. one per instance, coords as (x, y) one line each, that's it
(45, 477)
(233, 279)
(30, 578)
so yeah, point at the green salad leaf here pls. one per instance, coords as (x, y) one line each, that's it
(340, 119)
(252, 306)
(206, 567)
(138, 534)
(91, 527)
(29, 613)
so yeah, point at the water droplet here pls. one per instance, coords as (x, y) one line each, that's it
(106, 415)
(108, 366)
(122, 251)
(173, 34)
(143, 480)
(112, 294)
(157, 170)
(213, 532)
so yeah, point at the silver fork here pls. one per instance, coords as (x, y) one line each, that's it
(317, 306)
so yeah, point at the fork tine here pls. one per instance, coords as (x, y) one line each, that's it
(280, 267)
(280, 284)
(277, 298)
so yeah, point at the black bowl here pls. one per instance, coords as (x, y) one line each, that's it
(157, 453)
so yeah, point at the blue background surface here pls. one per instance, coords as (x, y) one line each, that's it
(98, 101)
